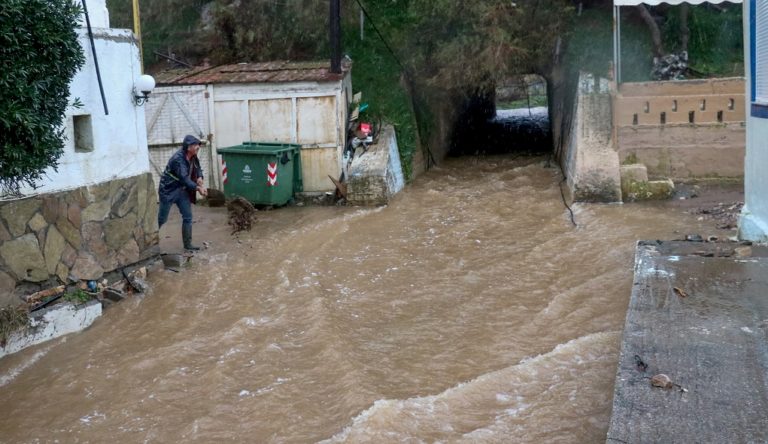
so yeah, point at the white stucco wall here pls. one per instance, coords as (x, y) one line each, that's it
(119, 139)
(753, 224)
(97, 12)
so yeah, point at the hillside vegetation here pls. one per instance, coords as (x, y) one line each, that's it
(409, 49)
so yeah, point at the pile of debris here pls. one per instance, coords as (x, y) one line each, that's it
(726, 215)
(241, 214)
(20, 317)
(670, 67)
(133, 281)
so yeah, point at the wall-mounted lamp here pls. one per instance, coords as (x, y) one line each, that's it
(142, 89)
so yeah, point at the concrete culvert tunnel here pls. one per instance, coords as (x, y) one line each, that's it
(513, 118)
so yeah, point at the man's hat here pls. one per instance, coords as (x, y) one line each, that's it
(190, 140)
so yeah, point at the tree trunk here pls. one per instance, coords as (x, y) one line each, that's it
(684, 31)
(658, 49)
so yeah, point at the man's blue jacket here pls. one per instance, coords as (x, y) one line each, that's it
(179, 176)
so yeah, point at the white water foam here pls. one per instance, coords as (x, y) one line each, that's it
(16, 371)
(490, 399)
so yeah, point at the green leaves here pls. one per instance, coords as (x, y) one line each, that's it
(39, 47)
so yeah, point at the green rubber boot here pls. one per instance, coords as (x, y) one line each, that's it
(186, 236)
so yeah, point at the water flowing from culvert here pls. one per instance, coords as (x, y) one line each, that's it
(468, 310)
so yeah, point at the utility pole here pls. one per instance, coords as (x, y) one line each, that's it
(335, 35)
(137, 32)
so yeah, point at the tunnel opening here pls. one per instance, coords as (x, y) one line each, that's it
(512, 117)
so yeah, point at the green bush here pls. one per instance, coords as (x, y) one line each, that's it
(41, 54)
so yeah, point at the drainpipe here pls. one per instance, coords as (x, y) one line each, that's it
(335, 34)
(95, 59)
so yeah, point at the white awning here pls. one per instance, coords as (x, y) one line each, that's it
(669, 2)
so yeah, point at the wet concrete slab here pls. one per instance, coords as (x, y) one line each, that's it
(698, 314)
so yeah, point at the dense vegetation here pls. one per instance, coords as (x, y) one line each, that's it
(464, 48)
(39, 63)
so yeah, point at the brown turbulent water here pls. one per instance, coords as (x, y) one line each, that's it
(468, 310)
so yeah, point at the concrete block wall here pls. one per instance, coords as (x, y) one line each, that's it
(643, 103)
(682, 129)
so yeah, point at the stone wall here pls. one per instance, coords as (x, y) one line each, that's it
(78, 234)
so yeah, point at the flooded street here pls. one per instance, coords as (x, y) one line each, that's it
(469, 310)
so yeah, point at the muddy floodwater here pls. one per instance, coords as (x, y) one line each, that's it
(469, 310)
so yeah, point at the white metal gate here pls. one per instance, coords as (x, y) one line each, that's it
(172, 113)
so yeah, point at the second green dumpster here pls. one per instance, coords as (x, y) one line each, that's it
(264, 173)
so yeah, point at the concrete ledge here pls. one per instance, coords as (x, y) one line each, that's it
(51, 323)
(636, 172)
(376, 175)
(698, 314)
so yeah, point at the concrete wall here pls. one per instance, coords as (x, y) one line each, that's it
(376, 175)
(753, 224)
(52, 322)
(590, 160)
(682, 129)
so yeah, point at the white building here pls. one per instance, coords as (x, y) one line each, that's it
(97, 211)
(101, 147)
(754, 217)
(287, 102)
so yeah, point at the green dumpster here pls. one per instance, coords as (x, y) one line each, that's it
(264, 173)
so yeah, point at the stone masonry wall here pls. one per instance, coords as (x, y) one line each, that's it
(78, 234)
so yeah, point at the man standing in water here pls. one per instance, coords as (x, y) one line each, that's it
(180, 182)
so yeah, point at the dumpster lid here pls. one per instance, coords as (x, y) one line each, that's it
(260, 148)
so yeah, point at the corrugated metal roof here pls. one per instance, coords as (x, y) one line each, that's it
(269, 72)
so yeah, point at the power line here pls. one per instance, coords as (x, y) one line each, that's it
(386, 44)
(403, 69)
